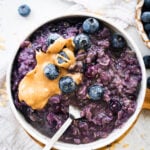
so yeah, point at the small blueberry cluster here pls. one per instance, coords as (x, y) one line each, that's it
(82, 41)
(145, 17)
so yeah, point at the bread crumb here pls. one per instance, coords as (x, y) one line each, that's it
(142, 135)
(125, 145)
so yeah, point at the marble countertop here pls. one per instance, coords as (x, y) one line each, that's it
(13, 29)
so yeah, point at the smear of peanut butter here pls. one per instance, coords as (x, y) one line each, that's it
(35, 88)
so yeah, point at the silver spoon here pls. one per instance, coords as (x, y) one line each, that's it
(74, 113)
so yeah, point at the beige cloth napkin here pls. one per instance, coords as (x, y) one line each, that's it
(121, 12)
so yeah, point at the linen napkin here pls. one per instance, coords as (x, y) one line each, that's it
(121, 12)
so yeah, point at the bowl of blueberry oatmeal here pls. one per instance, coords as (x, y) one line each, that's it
(80, 60)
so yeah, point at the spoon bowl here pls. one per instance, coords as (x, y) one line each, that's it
(74, 113)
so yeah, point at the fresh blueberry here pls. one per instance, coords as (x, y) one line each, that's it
(60, 60)
(147, 61)
(149, 35)
(148, 82)
(24, 10)
(146, 17)
(52, 38)
(82, 41)
(90, 25)
(115, 106)
(66, 84)
(51, 71)
(117, 41)
(95, 92)
(147, 27)
(147, 3)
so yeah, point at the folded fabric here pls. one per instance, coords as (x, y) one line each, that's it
(120, 12)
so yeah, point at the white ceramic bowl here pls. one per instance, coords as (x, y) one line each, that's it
(117, 132)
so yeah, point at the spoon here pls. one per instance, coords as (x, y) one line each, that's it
(74, 113)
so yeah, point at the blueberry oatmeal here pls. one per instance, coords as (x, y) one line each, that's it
(78, 61)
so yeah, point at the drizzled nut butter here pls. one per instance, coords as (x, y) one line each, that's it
(35, 88)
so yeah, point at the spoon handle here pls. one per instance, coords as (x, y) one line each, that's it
(58, 134)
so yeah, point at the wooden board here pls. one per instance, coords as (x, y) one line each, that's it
(146, 104)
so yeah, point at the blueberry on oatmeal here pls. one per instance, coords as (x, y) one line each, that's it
(51, 71)
(67, 85)
(117, 42)
(52, 38)
(60, 59)
(82, 41)
(95, 92)
(90, 25)
(115, 106)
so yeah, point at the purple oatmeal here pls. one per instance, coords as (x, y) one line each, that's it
(116, 70)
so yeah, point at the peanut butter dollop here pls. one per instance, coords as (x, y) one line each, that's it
(35, 88)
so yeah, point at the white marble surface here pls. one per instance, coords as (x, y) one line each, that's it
(13, 29)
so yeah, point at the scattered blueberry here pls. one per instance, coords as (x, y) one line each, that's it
(24, 10)
(146, 17)
(147, 27)
(115, 106)
(148, 82)
(90, 25)
(52, 38)
(60, 60)
(95, 92)
(82, 41)
(147, 61)
(51, 71)
(66, 84)
(118, 42)
(147, 3)
(149, 35)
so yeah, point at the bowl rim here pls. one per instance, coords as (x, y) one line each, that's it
(98, 143)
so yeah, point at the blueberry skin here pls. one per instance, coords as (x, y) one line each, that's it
(147, 61)
(117, 41)
(148, 35)
(66, 84)
(51, 71)
(82, 41)
(148, 82)
(146, 17)
(147, 3)
(90, 25)
(115, 106)
(60, 60)
(24, 10)
(95, 92)
(147, 27)
(52, 38)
